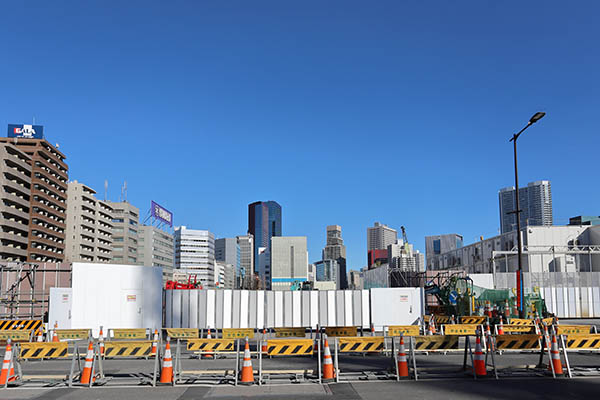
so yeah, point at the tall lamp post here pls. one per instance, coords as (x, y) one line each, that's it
(536, 117)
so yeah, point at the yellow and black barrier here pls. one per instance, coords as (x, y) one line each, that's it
(182, 333)
(290, 347)
(230, 333)
(46, 350)
(573, 329)
(521, 321)
(142, 348)
(517, 328)
(548, 321)
(590, 341)
(473, 319)
(518, 342)
(436, 343)
(290, 332)
(461, 329)
(16, 336)
(73, 334)
(363, 344)
(21, 325)
(134, 334)
(341, 331)
(404, 330)
(442, 319)
(211, 345)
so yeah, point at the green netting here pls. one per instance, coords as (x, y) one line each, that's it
(491, 295)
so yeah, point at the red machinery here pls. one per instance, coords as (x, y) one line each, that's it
(184, 286)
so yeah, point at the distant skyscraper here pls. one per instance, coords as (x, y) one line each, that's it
(246, 244)
(535, 203)
(380, 236)
(264, 222)
(195, 254)
(335, 250)
(289, 261)
(227, 250)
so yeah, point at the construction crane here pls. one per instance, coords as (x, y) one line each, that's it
(404, 235)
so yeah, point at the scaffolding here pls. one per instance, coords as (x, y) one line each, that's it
(25, 288)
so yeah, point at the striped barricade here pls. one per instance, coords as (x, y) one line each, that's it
(43, 350)
(209, 348)
(435, 343)
(16, 336)
(404, 330)
(211, 345)
(589, 341)
(573, 329)
(461, 329)
(508, 328)
(518, 342)
(362, 345)
(290, 332)
(73, 334)
(549, 321)
(129, 349)
(182, 333)
(521, 321)
(341, 331)
(287, 348)
(230, 333)
(129, 334)
(473, 319)
(442, 319)
(21, 325)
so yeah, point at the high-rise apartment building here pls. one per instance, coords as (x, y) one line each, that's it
(15, 197)
(89, 226)
(264, 222)
(335, 250)
(246, 243)
(380, 236)
(289, 261)
(126, 219)
(155, 247)
(328, 270)
(228, 250)
(195, 254)
(48, 199)
(440, 244)
(535, 204)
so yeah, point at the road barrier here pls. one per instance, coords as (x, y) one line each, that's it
(573, 329)
(73, 334)
(290, 332)
(404, 330)
(43, 350)
(96, 363)
(473, 319)
(211, 345)
(477, 358)
(364, 345)
(341, 331)
(182, 333)
(128, 334)
(442, 319)
(517, 342)
(16, 336)
(516, 328)
(435, 343)
(288, 348)
(206, 346)
(21, 325)
(229, 333)
(590, 341)
(461, 329)
(521, 321)
(134, 349)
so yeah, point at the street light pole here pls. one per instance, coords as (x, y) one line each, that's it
(536, 117)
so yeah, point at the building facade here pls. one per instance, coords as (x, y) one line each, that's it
(264, 222)
(329, 270)
(15, 198)
(228, 250)
(356, 280)
(48, 199)
(439, 244)
(336, 250)
(380, 236)
(89, 226)
(125, 221)
(195, 254)
(289, 261)
(535, 203)
(584, 220)
(155, 247)
(246, 243)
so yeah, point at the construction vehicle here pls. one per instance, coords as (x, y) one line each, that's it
(184, 286)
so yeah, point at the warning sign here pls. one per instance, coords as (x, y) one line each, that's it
(131, 297)
(404, 298)
(65, 298)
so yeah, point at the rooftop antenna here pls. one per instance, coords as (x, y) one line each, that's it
(105, 189)
(125, 191)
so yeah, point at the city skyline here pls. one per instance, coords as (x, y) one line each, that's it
(454, 102)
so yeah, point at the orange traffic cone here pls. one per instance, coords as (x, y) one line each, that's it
(40, 335)
(6, 365)
(208, 354)
(166, 374)
(372, 330)
(264, 341)
(155, 342)
(487, 311)
(402, 360)
(101, 342)
(54, 335)
(555, 357)
(506, 309)
(478, 359)
(328, 372)
(86, 374)
(500, 328)
(247, 374)
(431, 327)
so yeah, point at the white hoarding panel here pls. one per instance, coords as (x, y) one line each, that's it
(235, 306)
(252, 297)
(366, 308)
(340, 308)
(323, 308)
(348, 307)
(572, 303)
(244, 309)
(296, 309)
(547, 293)
(202, 298)
(168, 308)
(287, 308)
(395, 306)
(596, 301)
(185, 308)
(211, 304)
(314, 309)
(270, 309)
(260, 310)
(331, 315)
(278, 309)
(176, 318)
(305, 308)
(227, 310)
(356, 307)
(194, 309)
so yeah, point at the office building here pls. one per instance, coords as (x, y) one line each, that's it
(356, 280)
(195, 254)
(584, 220)
(155, 247)
(15, 197)
(228, 250)
(402, 256)
(330, 270)
(335, 250)
(289, 262)
(224, 275)
(246, 243)
(48, 199)
(438, 244)
(125, 221)
(535, 203)
(89, 226)
(264, 222)
(380, 236)
(263, 266)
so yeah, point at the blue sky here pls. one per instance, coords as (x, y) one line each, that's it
(344, 112)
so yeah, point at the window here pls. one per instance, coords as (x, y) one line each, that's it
(437, 247)
(132, 222)
(117, 220)
(118, 239)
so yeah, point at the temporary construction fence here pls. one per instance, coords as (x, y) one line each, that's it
(223, 309)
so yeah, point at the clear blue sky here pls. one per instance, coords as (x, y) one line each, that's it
(344, 112)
